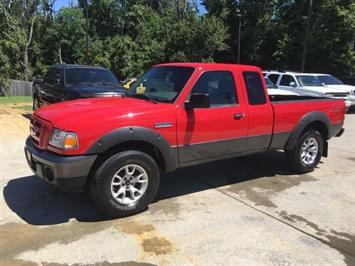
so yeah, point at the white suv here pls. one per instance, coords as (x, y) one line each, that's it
(334, 83)
(305, 82)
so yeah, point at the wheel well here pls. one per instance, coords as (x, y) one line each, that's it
(142, 146)
(320, 127)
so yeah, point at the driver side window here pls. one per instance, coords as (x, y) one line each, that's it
(219, 85)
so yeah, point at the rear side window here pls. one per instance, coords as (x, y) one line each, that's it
(219, 85)
(255, 89)
(274, 78)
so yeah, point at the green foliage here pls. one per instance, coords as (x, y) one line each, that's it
(12, 41)
(130, 36)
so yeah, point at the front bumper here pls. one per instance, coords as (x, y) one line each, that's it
(67, 172)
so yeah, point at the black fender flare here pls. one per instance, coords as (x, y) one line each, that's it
(137, 133)
(304, 122)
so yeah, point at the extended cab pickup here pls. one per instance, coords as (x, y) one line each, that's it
(175, 115)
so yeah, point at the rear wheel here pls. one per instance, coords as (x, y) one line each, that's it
(125, 183)
(307, 153)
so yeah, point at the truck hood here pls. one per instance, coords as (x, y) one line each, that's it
(75, 114)
(322, 89)
(344, 87)
(92, 90)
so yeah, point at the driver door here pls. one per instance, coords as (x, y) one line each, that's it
(215, 132)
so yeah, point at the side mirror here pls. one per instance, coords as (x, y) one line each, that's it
(293, 84)
(39, 79)
(198, 100)
(58, 80)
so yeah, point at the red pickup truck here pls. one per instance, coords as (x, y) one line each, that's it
(175, 115)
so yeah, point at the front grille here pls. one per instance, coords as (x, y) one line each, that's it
(35, 128)
(338, 94)
(40, 130)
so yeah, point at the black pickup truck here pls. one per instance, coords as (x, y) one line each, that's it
(66, 82)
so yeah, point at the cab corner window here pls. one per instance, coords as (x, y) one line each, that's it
(255, 88)
(219, 85)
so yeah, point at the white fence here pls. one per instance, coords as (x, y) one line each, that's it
(20, 88)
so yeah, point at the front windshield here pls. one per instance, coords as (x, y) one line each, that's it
(329, 80)
(89, 76)
(308, 80)
(163, 84)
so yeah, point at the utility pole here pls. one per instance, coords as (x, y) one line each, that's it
(87, 33)
(306, 36)
(239, 31)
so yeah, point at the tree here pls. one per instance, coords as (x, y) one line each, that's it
(12, 42)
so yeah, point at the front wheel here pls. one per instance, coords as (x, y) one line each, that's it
(125, 183)
(306, 155)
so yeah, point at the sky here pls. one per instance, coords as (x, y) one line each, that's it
(62, 3)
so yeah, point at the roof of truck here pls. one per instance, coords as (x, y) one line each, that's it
(288, 73)
(75, 66)
(210, 65)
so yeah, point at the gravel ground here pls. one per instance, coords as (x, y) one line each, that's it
(246, 211)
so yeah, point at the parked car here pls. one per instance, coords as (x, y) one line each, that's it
(175, 115)
(67, 82)
(273, 90)
(305, 82)
(332, 82)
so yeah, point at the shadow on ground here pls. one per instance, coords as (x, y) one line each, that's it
(39, 203)
(27, 115)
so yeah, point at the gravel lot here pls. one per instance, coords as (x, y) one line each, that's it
(247, 211)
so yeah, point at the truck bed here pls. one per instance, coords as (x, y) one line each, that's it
(278, 98)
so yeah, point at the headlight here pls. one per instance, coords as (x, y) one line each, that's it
(64, 140)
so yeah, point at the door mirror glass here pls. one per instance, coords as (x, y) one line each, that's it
(198, 100)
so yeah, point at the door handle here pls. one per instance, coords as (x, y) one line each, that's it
(239, 116)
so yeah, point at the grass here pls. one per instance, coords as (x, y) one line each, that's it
(15, 100)
(23, 103)
(24, 107)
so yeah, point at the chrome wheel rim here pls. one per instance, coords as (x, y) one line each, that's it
(309, 151)
(129, 184)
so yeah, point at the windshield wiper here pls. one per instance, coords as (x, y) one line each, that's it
(80, 83)
(142, 96)
(104, 83)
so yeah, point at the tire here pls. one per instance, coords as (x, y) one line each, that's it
(103, 188)
(305, 164)
(35, 104)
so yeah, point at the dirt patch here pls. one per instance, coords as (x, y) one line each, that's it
(17, 238)
(260, 190)
(343, 242)
(147, 237)
(3, 111)
(157, 245)
(132, 227)
(104, 263)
